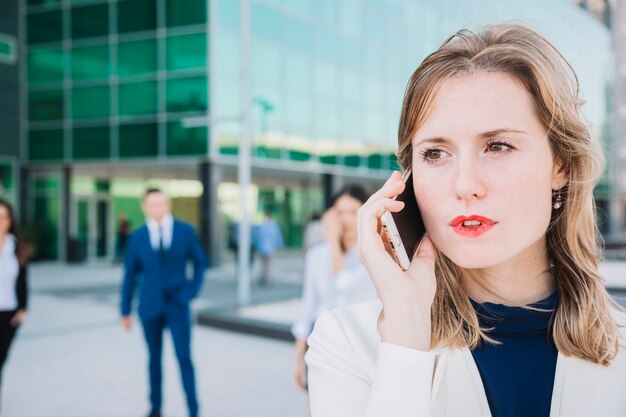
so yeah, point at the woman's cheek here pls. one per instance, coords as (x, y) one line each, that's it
(430, 210)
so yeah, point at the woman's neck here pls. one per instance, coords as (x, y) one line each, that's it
(520, 281)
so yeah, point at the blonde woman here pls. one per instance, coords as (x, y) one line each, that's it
(502, 312)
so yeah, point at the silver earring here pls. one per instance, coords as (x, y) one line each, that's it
(558, 200)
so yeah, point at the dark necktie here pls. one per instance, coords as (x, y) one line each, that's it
(161, 248)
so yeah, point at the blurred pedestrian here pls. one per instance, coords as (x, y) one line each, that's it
(233, 241)
(313, 232)
(159, 252)
(268, 239)
(123, 231)
(13, 284)
(333, 273)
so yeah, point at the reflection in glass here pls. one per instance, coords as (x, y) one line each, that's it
(45, 65)
(186, 141)
(186, 52)
(187, 95)
(90, 63)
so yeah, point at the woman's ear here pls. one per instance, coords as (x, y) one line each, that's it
(560, 176)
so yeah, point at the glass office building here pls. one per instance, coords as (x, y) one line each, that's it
(9, 105)
(110, 87)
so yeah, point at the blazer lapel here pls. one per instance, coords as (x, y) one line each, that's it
(463, 394)
(577, 388)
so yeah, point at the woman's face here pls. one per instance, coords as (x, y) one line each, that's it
(346, 208)
(5, 220)
(484, 172)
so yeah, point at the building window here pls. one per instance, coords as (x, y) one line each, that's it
(187, 95)
(182, 13)
(138, 140)
(45, 145)
(90, 21)
(45, 27)
(186, 52)
(45, 65)
(90, 63)
(46, 105)
(266, 24)
(136, 15)
(186, 141)
(138, 98)
(90, 102)
(91, 143)
(136, 58)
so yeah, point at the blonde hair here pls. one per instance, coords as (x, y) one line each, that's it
(582, 324)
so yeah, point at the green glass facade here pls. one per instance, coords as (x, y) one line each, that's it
(323, 82)
(149, 77)
(111, 83)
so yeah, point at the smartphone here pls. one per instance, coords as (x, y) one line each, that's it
(405, 229)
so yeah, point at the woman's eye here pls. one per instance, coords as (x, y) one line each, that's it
(433, 155)
(499, 147)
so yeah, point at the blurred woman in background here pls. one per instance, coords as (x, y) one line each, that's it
(333, 274)
(13, 286)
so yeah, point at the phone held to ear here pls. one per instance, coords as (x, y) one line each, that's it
(405, 229)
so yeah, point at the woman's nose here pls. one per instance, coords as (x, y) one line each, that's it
(469, 183)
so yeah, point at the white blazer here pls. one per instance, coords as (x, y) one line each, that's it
(353, 374)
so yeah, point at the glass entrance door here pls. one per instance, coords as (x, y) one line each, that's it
(91, 227)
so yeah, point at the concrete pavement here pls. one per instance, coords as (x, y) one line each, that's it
(72, 359)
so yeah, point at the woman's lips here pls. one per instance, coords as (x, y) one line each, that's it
(471, 226)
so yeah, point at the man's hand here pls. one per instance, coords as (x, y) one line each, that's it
(127, 323)
(18, 318)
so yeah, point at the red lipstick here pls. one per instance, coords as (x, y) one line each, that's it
(471, 226)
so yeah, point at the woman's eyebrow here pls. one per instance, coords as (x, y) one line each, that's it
(435, 140)
(496, 132)
(483, 135)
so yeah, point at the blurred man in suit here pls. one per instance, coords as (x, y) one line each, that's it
(159, 252)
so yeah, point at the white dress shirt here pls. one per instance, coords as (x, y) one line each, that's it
(322, 290)
(9, 270)
(166, 229)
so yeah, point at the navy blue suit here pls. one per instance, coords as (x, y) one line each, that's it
(164, 295)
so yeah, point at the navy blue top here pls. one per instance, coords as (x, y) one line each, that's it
(518, 375)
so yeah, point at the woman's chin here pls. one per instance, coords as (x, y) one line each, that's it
(473, 259)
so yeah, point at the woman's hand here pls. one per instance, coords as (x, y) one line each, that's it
(18, 318)
(407, 296)
(332, 226)
(299, 372)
